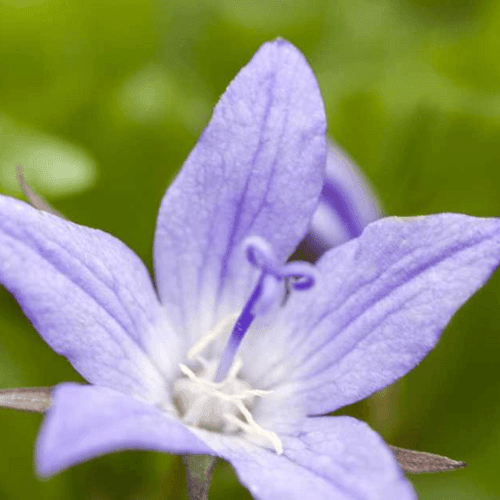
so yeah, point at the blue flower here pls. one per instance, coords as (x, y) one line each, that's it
(237, 353)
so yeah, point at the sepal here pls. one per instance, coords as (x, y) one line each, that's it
(37, 399)
(419, 462)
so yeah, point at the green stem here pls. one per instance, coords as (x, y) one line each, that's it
(199, 470)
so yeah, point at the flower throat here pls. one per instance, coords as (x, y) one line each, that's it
(211, 395)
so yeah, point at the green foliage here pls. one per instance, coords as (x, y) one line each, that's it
(101, 101)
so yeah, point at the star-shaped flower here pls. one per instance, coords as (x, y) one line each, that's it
(237, 353)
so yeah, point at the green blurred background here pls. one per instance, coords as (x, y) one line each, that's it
(102, 100)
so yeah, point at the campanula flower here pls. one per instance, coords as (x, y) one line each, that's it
(346, 206)
(235, 352)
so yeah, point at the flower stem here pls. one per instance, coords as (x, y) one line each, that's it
(199, 470)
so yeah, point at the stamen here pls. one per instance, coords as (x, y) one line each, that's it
(254, 428)
(211, 389)
(237, 365)
(222, 402)
(188, 372)
(212, 335)
(209, 392)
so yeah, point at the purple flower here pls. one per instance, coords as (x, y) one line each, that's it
(237, 353)
(346, 206)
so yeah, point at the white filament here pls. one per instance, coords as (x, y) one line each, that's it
(213, 335)
(220, 405)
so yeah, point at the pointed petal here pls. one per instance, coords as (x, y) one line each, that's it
(256, 170)
(347, 204)
(338, 458)
(379, 305)
(88, 421)
(87, 294)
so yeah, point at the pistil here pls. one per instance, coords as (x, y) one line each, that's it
(267, 291)
(212, 395)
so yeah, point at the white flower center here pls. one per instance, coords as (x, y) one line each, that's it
(223, 406)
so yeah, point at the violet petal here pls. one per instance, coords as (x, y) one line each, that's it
(88, 421)
(86, 293)
(380, 304)
(257, 170)
(339, 458)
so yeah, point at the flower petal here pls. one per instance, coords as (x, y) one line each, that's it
(256, 170)
(88, 421)
(338, 458)
(87, 294)
(347, 204)
(379, 305)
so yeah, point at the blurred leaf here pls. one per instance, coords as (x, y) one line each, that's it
(54, 167)
(152, 95)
